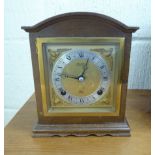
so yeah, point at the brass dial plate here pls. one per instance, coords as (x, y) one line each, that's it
(51, 49)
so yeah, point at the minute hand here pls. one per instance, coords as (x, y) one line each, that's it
(85, 67)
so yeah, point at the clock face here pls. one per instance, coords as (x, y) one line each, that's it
(80, 76)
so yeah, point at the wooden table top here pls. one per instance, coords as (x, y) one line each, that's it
(18, 138)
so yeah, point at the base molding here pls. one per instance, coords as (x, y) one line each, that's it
(104, 129)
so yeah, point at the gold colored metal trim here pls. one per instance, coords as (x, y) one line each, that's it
(77, 41)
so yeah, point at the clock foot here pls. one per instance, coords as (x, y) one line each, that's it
(104, 129)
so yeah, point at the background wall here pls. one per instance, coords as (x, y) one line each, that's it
(18, 71)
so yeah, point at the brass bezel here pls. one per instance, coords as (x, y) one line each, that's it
(79, 40)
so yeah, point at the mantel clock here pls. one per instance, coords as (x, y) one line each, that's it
(80, 68)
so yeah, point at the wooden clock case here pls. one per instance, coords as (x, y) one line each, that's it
(80, 24)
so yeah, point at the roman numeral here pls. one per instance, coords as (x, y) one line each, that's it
(93, 97)
(68, 57)
(81, 54)
(60, 89)
(102, 89)
(69, 98)
(102, 67)
(57, 79)
(58, 74)
(93, 58)
(105, 78)
(81, 100)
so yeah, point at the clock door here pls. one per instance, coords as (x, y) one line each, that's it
(80, 76)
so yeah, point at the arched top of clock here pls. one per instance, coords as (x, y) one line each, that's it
(80, 17)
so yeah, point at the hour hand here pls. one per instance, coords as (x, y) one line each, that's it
(69, 76)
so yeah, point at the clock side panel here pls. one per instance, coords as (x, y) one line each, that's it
(36, 76)
(125, 73)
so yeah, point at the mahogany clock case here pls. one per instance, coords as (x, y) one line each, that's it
(80, 24)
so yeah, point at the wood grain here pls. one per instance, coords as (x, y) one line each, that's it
(18, 133)
(76, 15)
